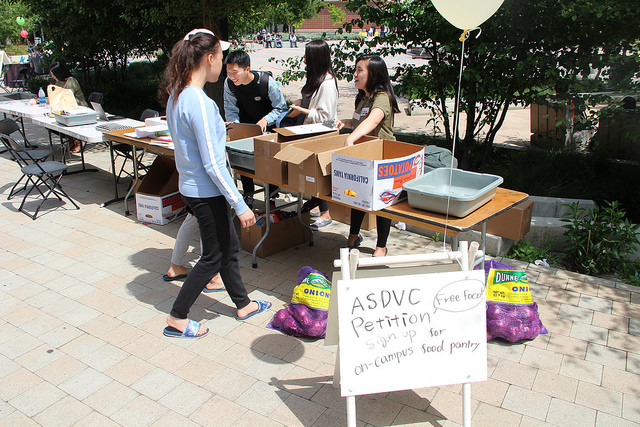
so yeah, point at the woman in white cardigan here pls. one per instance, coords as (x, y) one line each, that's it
(319, 104)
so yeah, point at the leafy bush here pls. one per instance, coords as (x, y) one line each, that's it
(567, 174)
(130, 96)
(630, 273)
(36, 82)
(525, 251)
(600, 239)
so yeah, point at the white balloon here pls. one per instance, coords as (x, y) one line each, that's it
(467, 14)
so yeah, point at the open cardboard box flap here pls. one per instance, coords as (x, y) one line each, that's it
(321, 146)
(162, 177)
(237, 131)
(381, 149)
(293, 154)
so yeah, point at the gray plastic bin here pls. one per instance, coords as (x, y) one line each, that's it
(468, 191)
(240, 154)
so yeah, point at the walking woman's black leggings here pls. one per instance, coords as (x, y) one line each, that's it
(219, 254)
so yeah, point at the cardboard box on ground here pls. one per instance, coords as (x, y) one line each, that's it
(342, 213)
(370, 175)
(265, 148)
(158, 200)
(283, 234)
(512, 224)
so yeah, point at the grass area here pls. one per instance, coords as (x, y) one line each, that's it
(15, 49)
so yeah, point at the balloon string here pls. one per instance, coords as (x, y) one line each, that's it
(455, 138)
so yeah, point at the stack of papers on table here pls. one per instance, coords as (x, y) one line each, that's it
(152, 131)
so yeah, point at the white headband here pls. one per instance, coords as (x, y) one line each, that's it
(224, 45)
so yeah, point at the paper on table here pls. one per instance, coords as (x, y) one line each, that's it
(164, 144)
(312, 128)
(151, 131)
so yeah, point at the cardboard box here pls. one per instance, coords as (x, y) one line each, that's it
(370, 175)
(309, 163)
(157, 198)
(237, 131)
(512, 224)
(342, 213)
(283, 235)
(265, 148)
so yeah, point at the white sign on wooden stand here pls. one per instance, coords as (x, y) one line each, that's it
(399, 333)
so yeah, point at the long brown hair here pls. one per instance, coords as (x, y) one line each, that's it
(377, 81)
(318, 57)
(185, 59)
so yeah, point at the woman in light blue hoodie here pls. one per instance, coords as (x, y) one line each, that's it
(199, 136)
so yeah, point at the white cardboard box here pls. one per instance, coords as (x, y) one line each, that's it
(157, 198)
(370, 175)
(159, 210)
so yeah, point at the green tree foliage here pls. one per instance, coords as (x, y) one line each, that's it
(291, 12)
(9, 28)
(522, 51)
(336, 14)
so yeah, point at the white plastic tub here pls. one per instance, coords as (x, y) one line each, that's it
(76, 117)
(467, 192)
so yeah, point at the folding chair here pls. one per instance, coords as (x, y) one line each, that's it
(9, 126)
(20, 80)
(125, 151)
(95, 97)
(37, 174)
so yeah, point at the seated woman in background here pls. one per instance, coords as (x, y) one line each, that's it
(63, 78)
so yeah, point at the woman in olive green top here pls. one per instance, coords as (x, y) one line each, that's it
(375, 106)
(64, 79)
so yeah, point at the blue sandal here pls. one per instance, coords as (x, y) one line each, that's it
(168, 278)
(208, 291)
(262, 306)
(191, 331)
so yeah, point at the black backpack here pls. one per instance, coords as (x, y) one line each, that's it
(263, 82)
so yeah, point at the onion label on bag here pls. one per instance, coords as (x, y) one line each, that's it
(314, 291)
(509, 286)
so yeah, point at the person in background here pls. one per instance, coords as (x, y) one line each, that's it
(293, 39)
(251, 97)
(268, 40)
(63, 78)
(629, 103)
(319, 104)
(35, 62)
(177, 270)
(383, 31)
(375, 107)
(278, 39)
(199, 137)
